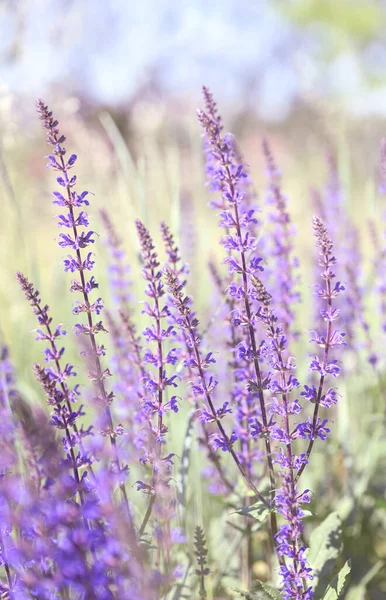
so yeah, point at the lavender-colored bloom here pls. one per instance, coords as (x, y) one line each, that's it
(281, 383)
(155, 404)
(204, 383)
(196, 390)
(279, 246)
(226, 176)
(77, 240)
(54, 381)
(333, 338)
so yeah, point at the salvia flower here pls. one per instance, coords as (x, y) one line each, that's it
(196, 390)
(226, 175)
(282, 383)
(78, 240)
(323, 364)
(280, 237)
(55, 381)
(204, 383)
(156, 384)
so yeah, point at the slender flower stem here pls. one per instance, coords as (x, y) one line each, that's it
(56, 141)
(147, 516)
(154, 400)
(226, 181)
(185, 311)
(332, 338)
(252, 338)
(173, 263)
(320, 388)
(42, 314)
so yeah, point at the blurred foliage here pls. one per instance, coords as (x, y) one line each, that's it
(356, 20)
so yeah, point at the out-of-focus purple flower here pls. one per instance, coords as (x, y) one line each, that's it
(279, 246)
(8, 468)
(118, 268)
(54, 380)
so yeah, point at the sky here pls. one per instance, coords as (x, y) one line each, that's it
(246, 51)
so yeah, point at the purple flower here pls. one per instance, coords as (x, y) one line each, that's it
(227, 176)
(279, 245)
(78, 241)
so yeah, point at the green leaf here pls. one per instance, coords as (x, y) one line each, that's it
(270, 591)
(336, 586)
(182, 478)
(243, 594)
(325, 547)
(258, 511)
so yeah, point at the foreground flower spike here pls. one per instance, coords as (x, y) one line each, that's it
(323, 365)
(295, 572)
(284, 278)
(204, 385)
(226, 176)
(60, 395)
(180, 270)
(155, 403)
(78, 239)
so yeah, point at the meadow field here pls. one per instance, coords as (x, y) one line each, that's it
(192, 300)
(187, 452)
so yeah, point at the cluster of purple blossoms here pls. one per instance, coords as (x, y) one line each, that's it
(227, 176)
(78, 239)
(68, 530)
(295, 572)
(178, 270)
(61, 396)
(273, 386)
(279, 246)
(204, 384)
(156, 402)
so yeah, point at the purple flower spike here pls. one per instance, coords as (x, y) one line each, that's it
(156, 382)
(283, 269)
(204, 384)
(228, 177)
(54, 382)
(331, 339)
(196, 390)
(77, 240)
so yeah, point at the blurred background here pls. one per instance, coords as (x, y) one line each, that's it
(266, 56)
(124, 79)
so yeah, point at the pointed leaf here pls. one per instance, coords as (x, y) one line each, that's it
(325, 547)
(336, 586)
(270, 591)
(258, 511)
(243, 594)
